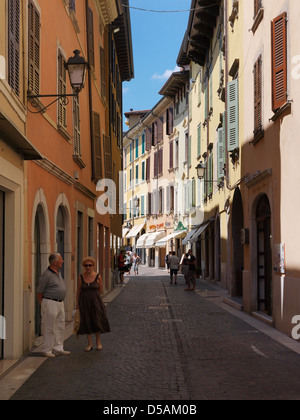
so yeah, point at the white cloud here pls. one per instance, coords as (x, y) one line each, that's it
(165, 75)
(125, 90)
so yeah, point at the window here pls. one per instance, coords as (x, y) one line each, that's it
(107, 156)
(169, 124)
(258, 99)
(103, 73)
(279, 61)
(148, 169)
(136, 174)
(62, 90)
(97, 148)
(148, 138)
(14, 45)
(158, 131)
(76, 127)
(137, 148)
(171, 158)
(33, 49)
(142, 205)
(143, 170)
(233, 115)
(143, 143)
(90, 38)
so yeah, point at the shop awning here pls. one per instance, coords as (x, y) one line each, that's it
(189, 236)
(153, 238)
(124, 232)
(135, 230)
(141, 242)
(201, 229)
(163, 242)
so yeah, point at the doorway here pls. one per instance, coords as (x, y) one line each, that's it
(264, 256)
(2, 235)
(238, 250)
(37, 265)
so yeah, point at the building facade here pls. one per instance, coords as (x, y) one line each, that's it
(74, 143)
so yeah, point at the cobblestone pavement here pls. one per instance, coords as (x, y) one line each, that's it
(168, 344)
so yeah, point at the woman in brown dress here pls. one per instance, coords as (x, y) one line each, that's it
(93, 319)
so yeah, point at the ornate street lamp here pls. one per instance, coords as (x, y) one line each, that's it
(76, 67)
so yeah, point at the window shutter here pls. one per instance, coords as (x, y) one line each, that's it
(148, 169)
(14, 45)
(103, 72)
(76, 127)
(171, 157)
(233, 115)
(258, 96)
(210, 174)
(199, 140)
(168, 200)
(90, 36)
(108, 156)
(159, 129)
(142, 205)
(33, 49)
(160, 161)
(279, 61)
(221, 160)
(62, 90)
(97, 147)
(155, 164)
(169, 121)
(148, 138)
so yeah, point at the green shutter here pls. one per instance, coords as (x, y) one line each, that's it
(199, 140)
(142, 205)
(210, 174)
(233, 115)
(221, 155)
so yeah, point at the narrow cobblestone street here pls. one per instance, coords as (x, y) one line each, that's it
(168, 344)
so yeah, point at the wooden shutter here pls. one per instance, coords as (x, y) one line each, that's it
(258, 96)
(76, 127)
(97, 147)
(62, 90)
(160, 161)
(107, 156)
(103, 72)
(279, 61)
(159, 125)
(148, 169)
(90, 38)
(233, 115)
(33, 49)
(169, 124)
(155, 164)
(14, 45)
(148, 138)
(210, 174)
(257, 6)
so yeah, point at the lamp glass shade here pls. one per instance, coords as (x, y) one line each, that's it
(200, 170)
(77, 70)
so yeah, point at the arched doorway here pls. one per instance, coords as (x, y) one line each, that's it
(238, 251)
(264, 256)
(38, 272)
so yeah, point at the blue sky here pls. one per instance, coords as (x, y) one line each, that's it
(156, 39)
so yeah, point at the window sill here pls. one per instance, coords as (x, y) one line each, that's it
(79, 161)
(280, 111)
(63, 132)
(258, 135)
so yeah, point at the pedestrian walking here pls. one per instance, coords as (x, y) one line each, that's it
(121, 265)
(191, 274)
(51, 292)
(167, 260)
(128, 262)
(174, 267)
(136, 262)
(93, 319)
(184, 267)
